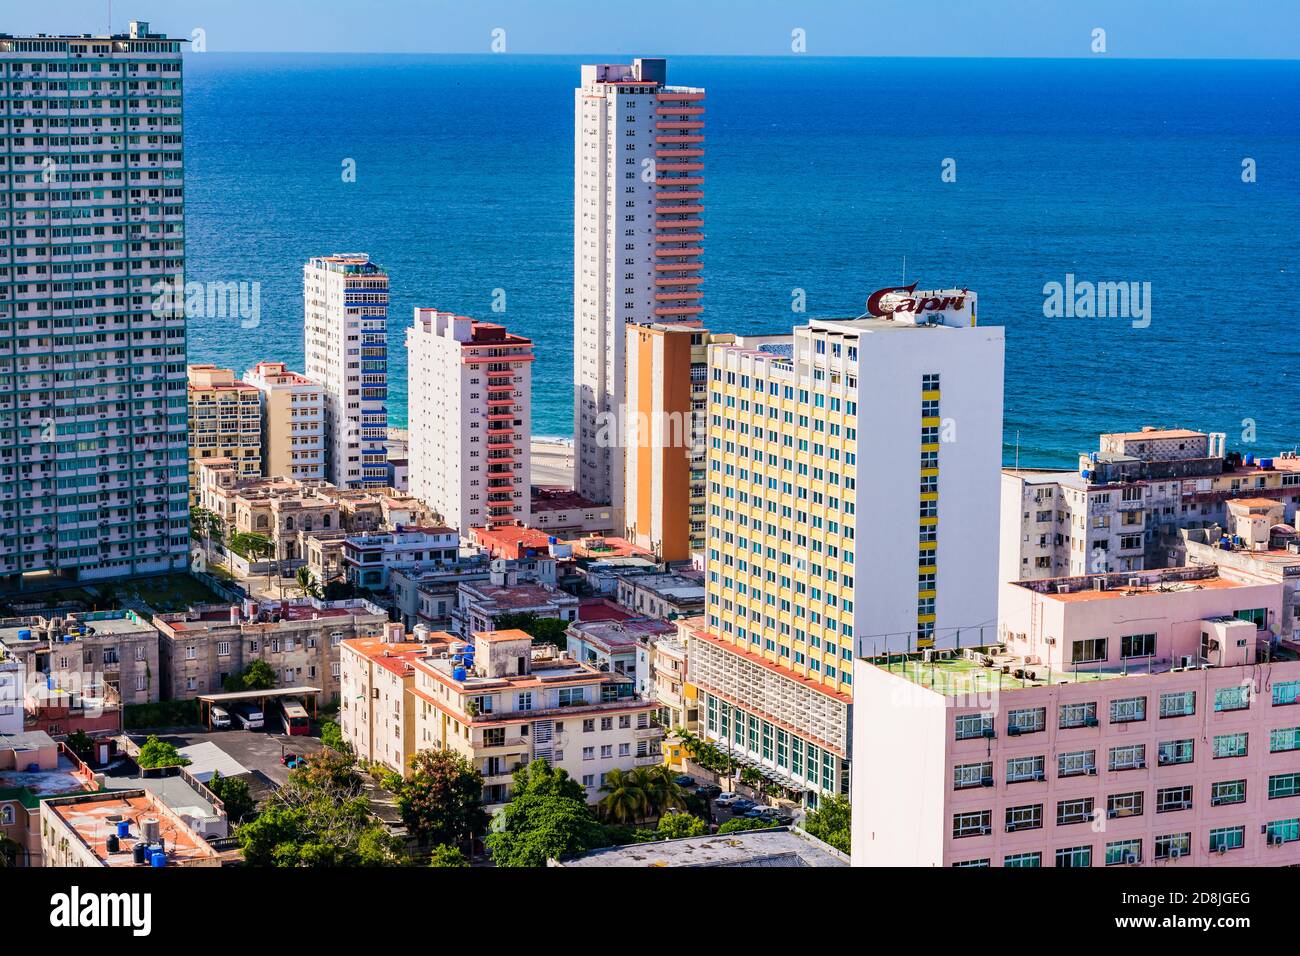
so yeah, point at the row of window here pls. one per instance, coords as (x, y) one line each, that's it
(1132, 804)
(1170, 846)
(1124, 710)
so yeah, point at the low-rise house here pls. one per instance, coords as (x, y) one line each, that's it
(368, 559)
(567, 514)
(482, 606)
(33, 768)
(620, 646)
(92, 655)
(667, 596)
(298, 638)
(85, 830)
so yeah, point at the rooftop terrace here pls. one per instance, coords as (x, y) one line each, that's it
(981, 669)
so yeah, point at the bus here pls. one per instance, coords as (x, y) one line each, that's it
(295, 717)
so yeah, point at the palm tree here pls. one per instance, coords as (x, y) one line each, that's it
(306, 582)
(201, 527)
(624, 800)
(662, 792)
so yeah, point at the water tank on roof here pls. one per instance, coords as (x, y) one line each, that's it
(458, 673)
(112, 844)
(139, 854)
(159, 858)
(24, 634)
(123, 828)
(1266, 463)
(1249, 459)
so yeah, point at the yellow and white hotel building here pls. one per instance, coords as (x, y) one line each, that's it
(853, 488)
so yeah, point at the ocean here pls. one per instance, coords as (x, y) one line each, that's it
(825, 177)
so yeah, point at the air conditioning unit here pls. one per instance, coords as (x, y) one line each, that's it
(1051, 641)
(1111, 814)
(986, 781)
(990, 733)
(1131, 858)
(1013, 730)
(985, 830)
(1275, 839)
(1091, 722)
(1092, 771)
(1175, 852)
(1040, 775)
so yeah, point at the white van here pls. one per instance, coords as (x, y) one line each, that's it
(220, 718)
(249, 716)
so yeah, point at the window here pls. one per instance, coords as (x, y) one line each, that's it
(973, 725)
(1023, 859)
(1286, 693)
(1124, 804)
(1132, 757)
(1283, 831)
(1077, 715)
(1076, 763)
(1284, 739)
(1283, 785)
(1172, 799)
(1173, 845)
(1176, 751)
(1236, 697)
(1227, 838)
(1029, 817)
(1226, 792)
(7, 815)
(1124, 853)
(979, 823)
(968, 864)
(1088, 651)
(1230, 745)
(588, 753)
(223, 648)
(1027, 721)
(1022, 769)
(1178, 704)
(1138, 645)
(1074, 811)
(1126, 710)
(969, 775)
(1257, 616)
(1074, 856)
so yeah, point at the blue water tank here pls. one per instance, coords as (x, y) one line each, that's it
(1249, 459)
(158, 859)
(552, 539)
(24, 634)
(123, 828)
(1266, 463)
(458, 673)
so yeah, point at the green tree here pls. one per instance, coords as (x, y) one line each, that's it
(662, 792)
(674, 826)
(259, 676)
(331, 735)
(234, 793)
(306, 583)
(158, 753)
(543, 630)
(741, 824)
(625, 799)
(81, 744)
(447, 856)
(441, 799)
(543, 820)
(831, 823)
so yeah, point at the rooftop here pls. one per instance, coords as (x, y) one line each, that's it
(978, 670)
(780, 846)
(1111, 585)
(94, 817)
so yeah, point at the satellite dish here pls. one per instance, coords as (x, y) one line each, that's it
(498, 564)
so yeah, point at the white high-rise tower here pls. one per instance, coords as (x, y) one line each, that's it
(345, 299)
(637, 233)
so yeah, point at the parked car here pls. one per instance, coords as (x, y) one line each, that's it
(742, 806)
(709, 791)
(684, 780)
(727, 799)
(250, 716)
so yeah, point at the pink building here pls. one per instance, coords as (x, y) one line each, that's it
(1144, 718)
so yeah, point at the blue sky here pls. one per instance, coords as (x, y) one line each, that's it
(1134, 28)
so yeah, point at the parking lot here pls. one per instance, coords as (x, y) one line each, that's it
(258, 750)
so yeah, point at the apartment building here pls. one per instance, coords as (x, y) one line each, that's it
(225, 421)
(293, 422)
(469, 455)
(92, 371)
(483, 606)
(1126, 502)
(664, 462)
(1139, 718)
(512, 703)
(377, 709)
(94, 657)
(1277, 561)
(637, 240)
(831, 453)
(299, 638)
(345, 298)
(12, 687)
(666, 595)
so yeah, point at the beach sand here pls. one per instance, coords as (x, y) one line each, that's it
(552, 462)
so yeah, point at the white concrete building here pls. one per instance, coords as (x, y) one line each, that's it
(470, 416)
(852, 501)
(92, 374)
(637, 233)
(293, 422)
(12, 673)
(345, 301)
